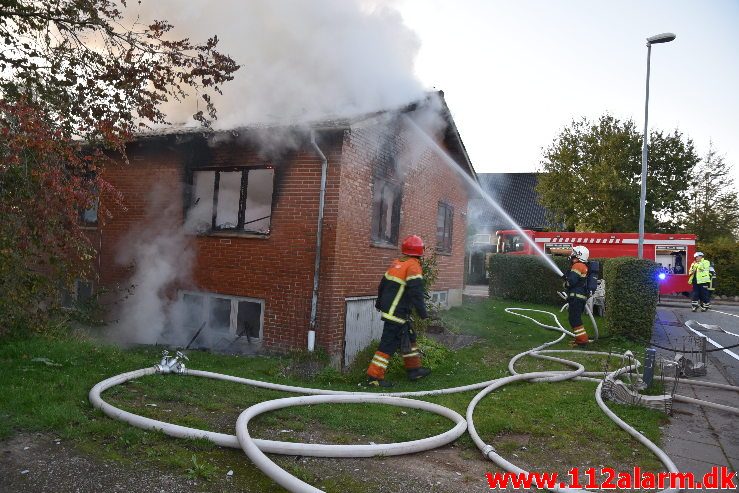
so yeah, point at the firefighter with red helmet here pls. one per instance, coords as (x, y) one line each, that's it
(577, 292)
(401, 289)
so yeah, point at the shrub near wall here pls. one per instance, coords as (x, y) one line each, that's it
(525, 278)
(631, 296)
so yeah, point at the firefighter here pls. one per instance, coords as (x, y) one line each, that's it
(700, 278)
(401, 289)
(577, 293)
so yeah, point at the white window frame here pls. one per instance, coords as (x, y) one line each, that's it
(233, 316)
(488, 241)
(683, 248)
(440, 298)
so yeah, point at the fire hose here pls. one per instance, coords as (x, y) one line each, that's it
(255, 449)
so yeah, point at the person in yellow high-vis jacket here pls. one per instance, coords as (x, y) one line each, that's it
(700, 277)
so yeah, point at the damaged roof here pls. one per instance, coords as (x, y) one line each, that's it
(452, 138)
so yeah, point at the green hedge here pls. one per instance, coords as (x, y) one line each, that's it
(631, 288)
(525, 278)
(631, 296)
(724, 255)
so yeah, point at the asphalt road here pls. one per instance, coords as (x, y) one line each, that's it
(726, 317)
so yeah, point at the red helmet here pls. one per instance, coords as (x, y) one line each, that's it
(413, 245)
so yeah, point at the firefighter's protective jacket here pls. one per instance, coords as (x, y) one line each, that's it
(400, 290)
(700, 272)
(576, 283)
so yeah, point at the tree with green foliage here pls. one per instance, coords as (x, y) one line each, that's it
(77, 78)
(592, 176)
(714, 202)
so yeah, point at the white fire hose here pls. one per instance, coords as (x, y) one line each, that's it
(255, 449)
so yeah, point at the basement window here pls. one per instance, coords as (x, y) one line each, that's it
(224, 315)
(444, 216)
(440, 299)
(231, 199)
(385, 212)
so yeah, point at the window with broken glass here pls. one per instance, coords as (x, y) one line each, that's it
(221, 315)
(231, 199)
(444, 216)
(386, 212)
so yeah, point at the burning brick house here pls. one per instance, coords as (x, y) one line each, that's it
(260, 224)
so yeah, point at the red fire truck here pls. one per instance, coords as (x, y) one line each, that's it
(673, 251)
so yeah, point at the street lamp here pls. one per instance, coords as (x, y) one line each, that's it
(659, 38)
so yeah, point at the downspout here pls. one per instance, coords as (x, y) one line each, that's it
(319, 235)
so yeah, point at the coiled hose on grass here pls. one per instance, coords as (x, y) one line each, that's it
(256, 448)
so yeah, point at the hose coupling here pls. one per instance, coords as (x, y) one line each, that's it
(172, 364)
(486, 450)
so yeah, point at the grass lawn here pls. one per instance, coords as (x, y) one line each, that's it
(548, 426)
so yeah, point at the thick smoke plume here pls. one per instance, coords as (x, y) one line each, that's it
(301, 61)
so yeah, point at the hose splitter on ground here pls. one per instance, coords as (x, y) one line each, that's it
(255, 449)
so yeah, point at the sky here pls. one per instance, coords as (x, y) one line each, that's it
(515, 73)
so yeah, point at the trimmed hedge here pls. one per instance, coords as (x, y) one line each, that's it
(631, 296)
(525, 278)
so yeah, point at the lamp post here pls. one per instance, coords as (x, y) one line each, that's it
(659, 38)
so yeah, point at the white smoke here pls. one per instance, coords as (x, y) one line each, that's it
(162, 258)
(301, 61)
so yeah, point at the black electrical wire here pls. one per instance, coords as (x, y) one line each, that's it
(687, 352)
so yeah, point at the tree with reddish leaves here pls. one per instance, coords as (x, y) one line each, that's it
(77, 78)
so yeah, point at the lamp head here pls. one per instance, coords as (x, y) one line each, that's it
(660, 38)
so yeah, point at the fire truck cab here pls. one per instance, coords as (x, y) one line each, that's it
(673, 252)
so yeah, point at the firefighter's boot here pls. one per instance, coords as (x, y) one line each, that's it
(694, 306)
(378, 383)
(418, 373)
(581, 336)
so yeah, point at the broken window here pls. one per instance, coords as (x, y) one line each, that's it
(220, 314)
(194, 311)
(249, 319)
(444, 218)
(386, 212)
(235, 199)
(225, 315)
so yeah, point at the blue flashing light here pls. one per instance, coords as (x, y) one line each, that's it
(662, 276)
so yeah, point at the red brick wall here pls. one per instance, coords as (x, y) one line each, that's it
(279, 268)
(356, 263)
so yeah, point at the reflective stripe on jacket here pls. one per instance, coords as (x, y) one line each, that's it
(700, 271)
(400, 290)
(577, 284)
